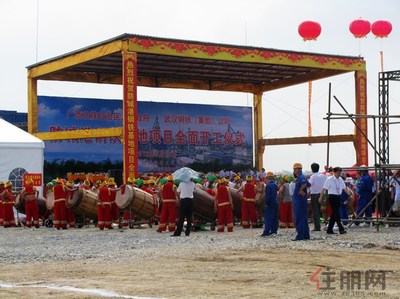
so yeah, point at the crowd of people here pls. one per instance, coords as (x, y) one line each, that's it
(279, 201)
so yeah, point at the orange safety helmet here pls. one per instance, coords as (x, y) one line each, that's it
(297, 165)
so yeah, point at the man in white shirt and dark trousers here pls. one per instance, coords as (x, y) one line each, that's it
(334, 185)
(317, 181)
(185, 191)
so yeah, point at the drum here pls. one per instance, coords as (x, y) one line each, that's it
(203, 205)
(260, 200)
(83, 202)
(351, 205)
(136, 201)
(50, 200)
(200, 186)
(237, 202)
(20, 204)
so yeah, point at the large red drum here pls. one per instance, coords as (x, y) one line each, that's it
(203, 205)
(136, 201)
(237, 202)
(260, 199)
(83, 202)
(20, 204)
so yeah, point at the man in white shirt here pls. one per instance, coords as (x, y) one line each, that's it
(334, 185)
(317, 181)
(185, 191)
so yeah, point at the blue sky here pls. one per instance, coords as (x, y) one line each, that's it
(35, 30)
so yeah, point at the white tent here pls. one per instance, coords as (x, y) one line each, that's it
(20, 152)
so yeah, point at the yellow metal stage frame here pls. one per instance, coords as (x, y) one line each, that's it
(134, 60)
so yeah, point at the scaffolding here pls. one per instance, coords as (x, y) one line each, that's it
(382, 166)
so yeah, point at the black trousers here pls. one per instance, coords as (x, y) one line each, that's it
(334, 201)
(316, 211)
(185, 211)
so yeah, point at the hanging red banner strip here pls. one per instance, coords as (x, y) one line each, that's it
(130, 119)
(361, 108)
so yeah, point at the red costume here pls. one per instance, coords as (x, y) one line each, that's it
(285, 206)
(249, 205)
(224, 206)
(60, 209)
(8, 204)
(150, 191)
(31, 206)
(70, 212)
(104, 217)
(169, 209)
(1, 203)
(114, 207)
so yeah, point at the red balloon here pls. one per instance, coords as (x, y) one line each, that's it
(360, 28)
(309, 30)
(381, 28)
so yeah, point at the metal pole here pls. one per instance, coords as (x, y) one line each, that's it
(357, 126)
(329, 123)
(376, 178)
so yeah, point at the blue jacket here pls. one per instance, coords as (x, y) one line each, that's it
(365, 185)
(271, 194)
(301, 179)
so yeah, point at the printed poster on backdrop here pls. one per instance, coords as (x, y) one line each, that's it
(170, 135)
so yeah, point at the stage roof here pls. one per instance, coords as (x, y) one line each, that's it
(173, 63)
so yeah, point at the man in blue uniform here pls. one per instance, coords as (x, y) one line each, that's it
(365, 186)
(300, 203)
(271, 206)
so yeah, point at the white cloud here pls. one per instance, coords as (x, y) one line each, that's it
(47, 112)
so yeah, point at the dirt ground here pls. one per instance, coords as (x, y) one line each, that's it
(253, 273)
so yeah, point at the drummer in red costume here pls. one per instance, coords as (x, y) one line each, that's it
(169, 211)
(1, 204)
(223, 205)
(237, 182)
(31, 206)
(60, 209)
(104, 217)
(113, 194)
(146, 187)
(8, 204)
(128, 217)
(70, 213)
(86, 185)
(249, 215)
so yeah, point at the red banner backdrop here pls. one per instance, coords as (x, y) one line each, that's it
(130, 119)
(36, 177)
(361, 108)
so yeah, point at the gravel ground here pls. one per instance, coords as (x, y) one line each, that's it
(21, 245)
(141, 263)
